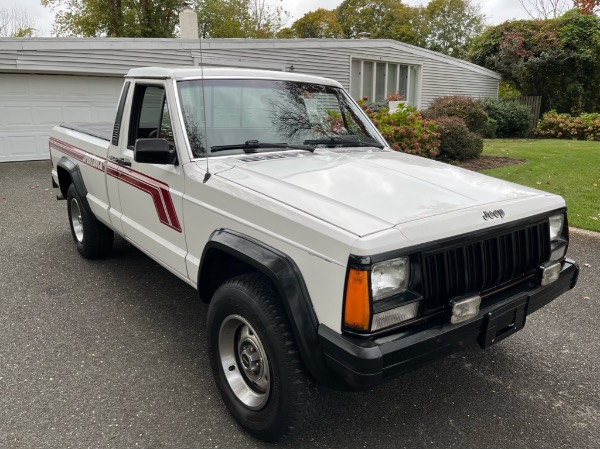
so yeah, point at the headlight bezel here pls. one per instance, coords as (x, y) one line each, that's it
(384, 305)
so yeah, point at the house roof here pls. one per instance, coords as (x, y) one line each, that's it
(355, 43)
(58, 54)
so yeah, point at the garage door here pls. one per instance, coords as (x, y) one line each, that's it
(30, 105)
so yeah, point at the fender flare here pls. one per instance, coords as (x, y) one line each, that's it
(76, 179)
(288, 280)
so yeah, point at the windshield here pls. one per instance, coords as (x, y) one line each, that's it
(265, 115)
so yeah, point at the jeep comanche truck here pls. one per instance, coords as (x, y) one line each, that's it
(326, 258)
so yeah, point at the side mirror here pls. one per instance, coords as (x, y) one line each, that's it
(154, 151)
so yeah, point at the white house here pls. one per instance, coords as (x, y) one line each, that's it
(46, 81)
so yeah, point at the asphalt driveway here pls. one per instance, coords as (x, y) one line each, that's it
(111, 354)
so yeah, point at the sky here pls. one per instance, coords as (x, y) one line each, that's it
(497, 11)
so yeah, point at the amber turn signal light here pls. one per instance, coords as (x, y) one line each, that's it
(357, 311)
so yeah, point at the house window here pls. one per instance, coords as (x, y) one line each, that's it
(375, 79)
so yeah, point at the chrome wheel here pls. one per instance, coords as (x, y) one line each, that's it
(76, 220)
(244, 361)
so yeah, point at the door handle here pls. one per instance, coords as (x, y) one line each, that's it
(120, 161)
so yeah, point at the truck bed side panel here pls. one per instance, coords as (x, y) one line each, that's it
(90, 154)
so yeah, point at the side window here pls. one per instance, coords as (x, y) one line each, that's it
(150, 115)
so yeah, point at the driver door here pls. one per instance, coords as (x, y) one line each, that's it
(151, 194)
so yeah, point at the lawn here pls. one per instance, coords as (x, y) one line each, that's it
(567, 167)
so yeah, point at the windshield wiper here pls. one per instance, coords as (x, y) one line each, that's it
(250, 146)
(333, 142)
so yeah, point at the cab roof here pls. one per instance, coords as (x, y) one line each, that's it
(180, 73)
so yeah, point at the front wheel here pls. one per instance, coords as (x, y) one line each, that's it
(92, 238)
(255, 361)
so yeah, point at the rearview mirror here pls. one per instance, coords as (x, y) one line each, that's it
(154, 151)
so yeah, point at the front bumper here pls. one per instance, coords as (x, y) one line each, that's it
(362, 363)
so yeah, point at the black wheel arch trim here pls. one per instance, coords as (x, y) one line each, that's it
(76, 179)
(288, 280)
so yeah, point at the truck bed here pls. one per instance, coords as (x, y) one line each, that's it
(100, 130)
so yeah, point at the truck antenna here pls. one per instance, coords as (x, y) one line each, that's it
(207, 175)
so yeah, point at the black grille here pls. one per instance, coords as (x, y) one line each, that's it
(484, 265)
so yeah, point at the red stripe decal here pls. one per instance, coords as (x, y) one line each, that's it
(158, 190)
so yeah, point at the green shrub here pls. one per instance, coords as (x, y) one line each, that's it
(513, 119)
(491, 127)
(565, 126)
(457, 142)
(508, 89)
(406, 130)
(456, 106)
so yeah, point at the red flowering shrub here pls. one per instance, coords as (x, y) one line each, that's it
(565, 126)
(406, 130)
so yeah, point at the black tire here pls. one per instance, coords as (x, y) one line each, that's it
(293, 398)
(92, 238)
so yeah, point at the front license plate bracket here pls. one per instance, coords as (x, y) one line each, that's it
(504, 321)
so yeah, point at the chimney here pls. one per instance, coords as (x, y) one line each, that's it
(188, 24)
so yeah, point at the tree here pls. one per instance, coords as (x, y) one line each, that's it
(451, 25)
(555, 58)
(115, 18)
(544, 9)
(380, 19)
(551, 9)
(318, 24)
(267, 18)
(16, 23)
(223, 18)
(587, 6)
(257, 19)
(286, 33)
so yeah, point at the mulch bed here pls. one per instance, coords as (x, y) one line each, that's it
(486, 162)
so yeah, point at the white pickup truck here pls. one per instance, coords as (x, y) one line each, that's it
(326, 258)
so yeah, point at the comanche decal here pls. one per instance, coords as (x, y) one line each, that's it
(158, 190)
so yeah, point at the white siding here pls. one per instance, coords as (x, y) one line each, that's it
(30, 105)
(314, 61)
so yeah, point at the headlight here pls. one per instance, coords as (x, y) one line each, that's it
(558, 244)
(389, 278)
(377, 296)
(556, 226)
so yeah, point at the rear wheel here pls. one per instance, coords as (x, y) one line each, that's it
(255, 361)
(92, 238)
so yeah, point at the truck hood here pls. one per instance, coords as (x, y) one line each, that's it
(366, 191)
